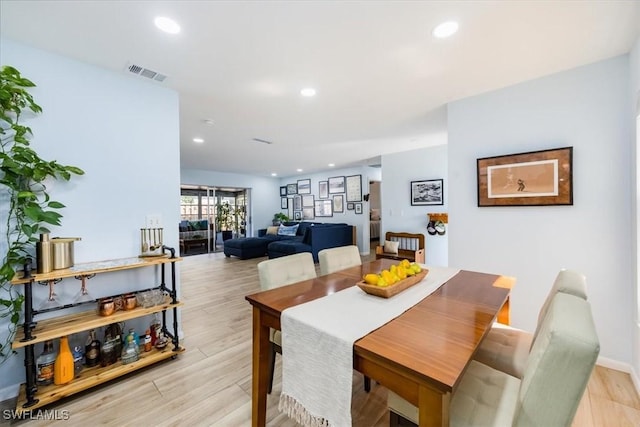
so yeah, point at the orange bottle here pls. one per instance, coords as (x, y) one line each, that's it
(63, 368)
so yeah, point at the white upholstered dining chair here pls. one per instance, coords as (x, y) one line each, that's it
(553, 381)
(278, 272)
(506, 349)
(335, 259)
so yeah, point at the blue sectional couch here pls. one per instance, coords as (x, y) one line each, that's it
(309, 237)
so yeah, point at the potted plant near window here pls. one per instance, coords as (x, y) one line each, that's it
(224, 220)
(241, 219)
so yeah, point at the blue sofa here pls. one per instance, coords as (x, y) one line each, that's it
(253, 247)
(310, 237)
(316, 237)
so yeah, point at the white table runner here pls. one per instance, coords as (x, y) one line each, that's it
(317, 347)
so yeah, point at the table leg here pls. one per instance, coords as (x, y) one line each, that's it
(433, 407)
(504, 315)
(260, 377)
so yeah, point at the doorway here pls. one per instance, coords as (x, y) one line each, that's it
(375, 209)
(211, 215)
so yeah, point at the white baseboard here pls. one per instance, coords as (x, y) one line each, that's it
(9, 392)
(623, 367)
(635, 380)
(613, 364)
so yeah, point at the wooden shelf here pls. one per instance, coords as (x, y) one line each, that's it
(77, 322)
(90, 377)
(96, 267)
(56, 327)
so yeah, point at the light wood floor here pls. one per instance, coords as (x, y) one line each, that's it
(210, 384)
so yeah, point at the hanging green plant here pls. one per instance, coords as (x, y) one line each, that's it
(22, 177)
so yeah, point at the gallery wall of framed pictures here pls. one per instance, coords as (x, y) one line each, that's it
(334, 195)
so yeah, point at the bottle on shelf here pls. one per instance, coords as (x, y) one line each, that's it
(78, 357)
(136, 339)
(130, 352)
(45, 364)
(147, 340)
(155, 329)
(108, 353)
(92, 349)
(63, 367)
(115, 330)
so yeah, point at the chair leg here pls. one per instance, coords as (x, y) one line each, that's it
(367, 384)
(272, 366)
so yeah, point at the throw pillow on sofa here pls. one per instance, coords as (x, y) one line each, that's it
(273, 229)
(287, 230)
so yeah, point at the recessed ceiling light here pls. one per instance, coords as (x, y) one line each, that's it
(445, 29)
(167, 25)
(298, 170)
(274, 174)
(308, 91)
(331, 165)
(198, 140)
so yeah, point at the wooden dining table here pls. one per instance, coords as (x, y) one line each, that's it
(420, 355)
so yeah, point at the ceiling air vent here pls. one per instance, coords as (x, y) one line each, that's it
(145, 72)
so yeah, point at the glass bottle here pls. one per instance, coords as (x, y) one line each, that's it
(63, 368)
(78, 358)
(147, 340)
(108, 351)
(155, 329)
(45, 364)
(130, 352)
(92, 349)
(132, 332)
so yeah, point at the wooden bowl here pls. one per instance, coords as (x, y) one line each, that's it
(396, 288)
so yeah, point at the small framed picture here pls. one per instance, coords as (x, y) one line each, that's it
(283, 191)
(336, 184)
(354, 188)
(323, 208)
(427, 192)
(358, 207)
(304, 186)
(338, 203)
(290, 207)
(292, 189)
(297, 215)
(283, 203)
(297, 202)
(350, 206)
(307, 213)
(537, 178)
(307, 201)
(323, 190)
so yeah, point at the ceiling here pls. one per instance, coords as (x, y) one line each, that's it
(382, 80)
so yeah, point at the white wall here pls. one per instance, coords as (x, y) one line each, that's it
(398, 170)
(634, 74)
(360, 221)
(587, 108)
(124, 133)
(265, 192)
